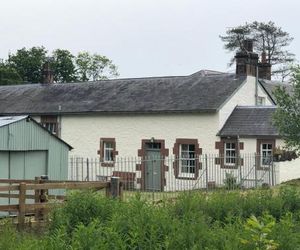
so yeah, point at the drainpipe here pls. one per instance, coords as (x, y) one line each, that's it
(256, 86)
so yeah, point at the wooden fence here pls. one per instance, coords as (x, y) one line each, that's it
(41, 195)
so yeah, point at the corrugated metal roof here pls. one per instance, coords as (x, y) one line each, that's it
(6, 120)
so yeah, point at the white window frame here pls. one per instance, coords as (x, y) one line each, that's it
(110, 151)
(261, 101)
(265, 153)
(50, 126)
(232, 156)
(187, 159)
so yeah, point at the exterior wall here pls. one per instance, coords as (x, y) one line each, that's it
(28, 136)
(245, 96)
(130, 130)
(84, 132)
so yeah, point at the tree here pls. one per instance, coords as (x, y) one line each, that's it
(268, 38)
(28, 63)
(8, 76)
(94, 67)
(287, 114)
(63, 66)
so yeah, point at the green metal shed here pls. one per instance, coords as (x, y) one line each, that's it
(27, 150)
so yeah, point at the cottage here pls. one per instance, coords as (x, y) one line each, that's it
(169, 117)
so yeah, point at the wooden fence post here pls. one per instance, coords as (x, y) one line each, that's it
(43, 195)
(37, 194)
(115, 186)
(107, 190)
(22, 205)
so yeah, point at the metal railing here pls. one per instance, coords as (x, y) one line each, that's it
(203, 172)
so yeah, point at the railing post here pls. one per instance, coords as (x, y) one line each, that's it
(87, 169)
(206, 172)
(22, 205)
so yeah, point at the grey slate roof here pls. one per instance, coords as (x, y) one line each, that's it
(246, 121)
(270, 87)
(203, 91)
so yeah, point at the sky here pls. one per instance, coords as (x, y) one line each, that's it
(142, 37)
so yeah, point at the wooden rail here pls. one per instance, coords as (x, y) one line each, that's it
(41, 196)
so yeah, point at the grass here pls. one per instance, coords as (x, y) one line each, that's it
(253, 219)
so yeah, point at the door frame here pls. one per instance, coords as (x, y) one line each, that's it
(142, 167)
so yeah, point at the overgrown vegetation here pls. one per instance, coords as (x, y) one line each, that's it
(256, 219)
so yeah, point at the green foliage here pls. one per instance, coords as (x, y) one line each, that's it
(94, 67)
(287, 115)
(63, 66)
(230, 181)
(28, 63)
(258, 233)
(268, 38)
(258, 219)
(9, 75)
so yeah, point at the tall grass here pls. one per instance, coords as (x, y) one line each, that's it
(258, 219)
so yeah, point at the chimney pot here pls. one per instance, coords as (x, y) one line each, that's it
(264, 57)
(248, 45)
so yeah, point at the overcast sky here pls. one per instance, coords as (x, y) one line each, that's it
(142, 37)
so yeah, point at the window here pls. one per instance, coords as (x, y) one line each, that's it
(261, 101)
(230, 153)
(107, 151)
(186, 164)
(187, 158)
(266, 153)
(50, 122)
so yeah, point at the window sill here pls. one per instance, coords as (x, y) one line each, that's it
(229, 167)
(107, 164)
(263, 168)
(186, 177)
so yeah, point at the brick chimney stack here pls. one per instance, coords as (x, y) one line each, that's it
(246, 60)
(264, 68)
(47, 73)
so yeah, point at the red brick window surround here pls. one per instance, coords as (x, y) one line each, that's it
(186, 163)
(228, 153)
(107, 152)
(50, 122)
(264, 150)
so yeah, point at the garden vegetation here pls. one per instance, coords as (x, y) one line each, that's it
(256, 219)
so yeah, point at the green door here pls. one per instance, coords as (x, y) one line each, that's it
(153, 167)
(27, 165)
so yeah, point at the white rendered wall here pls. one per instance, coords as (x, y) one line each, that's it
(244, 96)
(83, 132)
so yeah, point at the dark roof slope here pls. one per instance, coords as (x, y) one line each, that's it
(250, 121)
(270, 87)
(199, 92)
